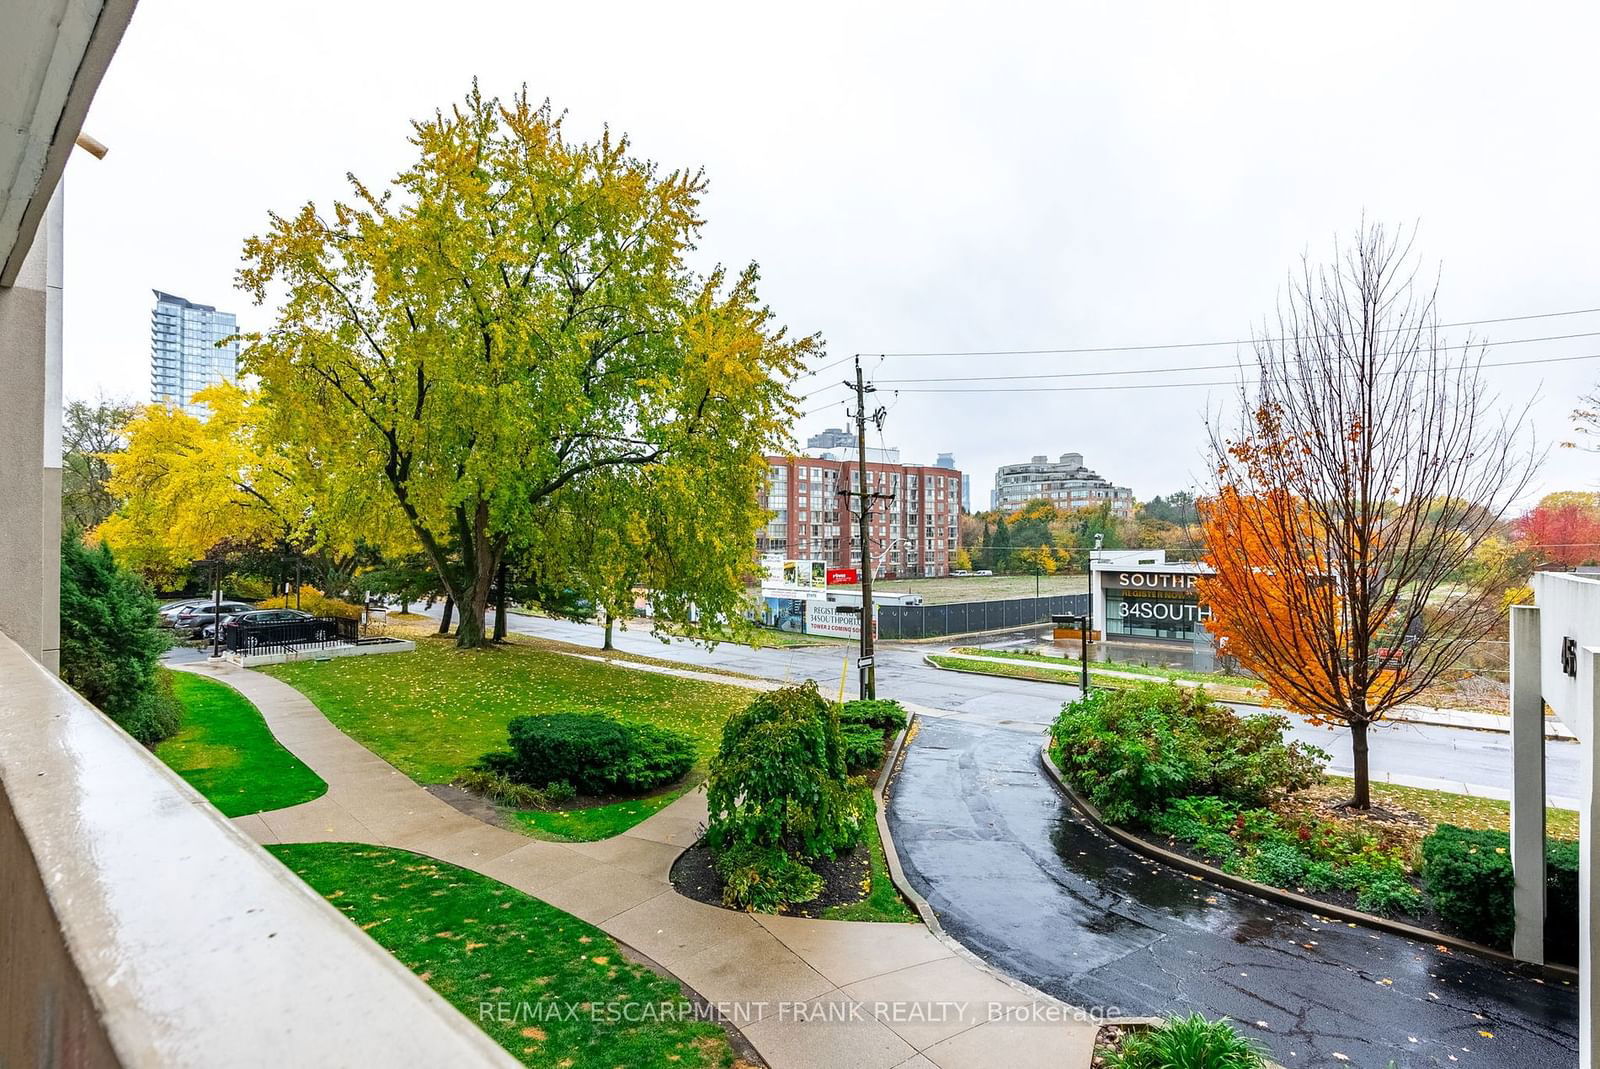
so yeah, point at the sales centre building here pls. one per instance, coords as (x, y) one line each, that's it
(1139, 597)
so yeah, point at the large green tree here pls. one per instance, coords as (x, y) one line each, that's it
(91, 432)
(513, 318)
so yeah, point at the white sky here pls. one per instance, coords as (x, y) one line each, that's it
(917, 177)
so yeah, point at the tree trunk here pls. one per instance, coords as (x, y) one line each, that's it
(1362, 797)
(444, 619)
(469, 632)
(608, 645)
(500, 605)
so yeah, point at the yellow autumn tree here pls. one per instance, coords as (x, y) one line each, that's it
(187, 485)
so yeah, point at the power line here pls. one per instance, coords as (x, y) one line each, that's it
(1214, 344)
(826, 367)
(1223, 382)
(1190, 367)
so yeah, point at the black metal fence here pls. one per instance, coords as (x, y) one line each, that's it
(968, 617)
(317, 632)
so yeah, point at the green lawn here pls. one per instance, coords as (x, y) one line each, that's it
(572, 1000)
(1464, 811)
(883, 901)
(433, 712)
(226, 752)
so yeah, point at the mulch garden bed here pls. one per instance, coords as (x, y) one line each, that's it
(473, 805)
(1110, 1039)
(844, 879)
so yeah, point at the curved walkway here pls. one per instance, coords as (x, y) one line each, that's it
(1020, 877)
(806, 993)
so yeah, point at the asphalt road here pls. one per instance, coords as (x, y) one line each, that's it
(1016, 874)
(1415, 752)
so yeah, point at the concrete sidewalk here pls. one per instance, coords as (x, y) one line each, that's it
(879, 995)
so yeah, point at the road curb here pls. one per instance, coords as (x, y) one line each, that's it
(1289, 898)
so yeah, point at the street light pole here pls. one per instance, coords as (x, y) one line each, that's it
(1083, 656)
(216, 612)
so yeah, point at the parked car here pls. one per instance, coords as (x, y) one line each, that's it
(275, 627)
(192, 619)
(209, 631)
(167, 615)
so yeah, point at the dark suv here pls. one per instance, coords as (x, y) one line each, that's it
(274, 627)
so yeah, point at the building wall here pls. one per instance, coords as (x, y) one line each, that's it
(30, 443)
(184, 355)
(812, 520)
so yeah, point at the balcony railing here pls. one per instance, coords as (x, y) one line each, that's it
(139, 927)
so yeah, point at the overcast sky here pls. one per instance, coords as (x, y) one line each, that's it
(918, 177)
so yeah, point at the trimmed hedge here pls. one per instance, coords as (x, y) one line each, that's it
(885, 714)
(1467, 873)
(864, 729)
(591, 753)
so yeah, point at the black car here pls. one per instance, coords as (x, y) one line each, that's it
(274, 627)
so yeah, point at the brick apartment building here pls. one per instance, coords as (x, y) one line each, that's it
(913, 533)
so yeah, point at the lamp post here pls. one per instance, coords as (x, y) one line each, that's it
(1083, 655)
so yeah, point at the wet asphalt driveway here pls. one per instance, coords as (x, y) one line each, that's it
(1015, 874)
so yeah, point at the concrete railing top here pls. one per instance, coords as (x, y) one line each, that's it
(195, 946)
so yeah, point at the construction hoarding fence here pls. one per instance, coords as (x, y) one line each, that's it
(970, 617)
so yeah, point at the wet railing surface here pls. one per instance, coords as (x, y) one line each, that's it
(140, 928)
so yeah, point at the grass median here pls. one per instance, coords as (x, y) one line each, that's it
(433, 712)
(226, 752)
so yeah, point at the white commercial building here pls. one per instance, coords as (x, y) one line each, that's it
(1138, 596)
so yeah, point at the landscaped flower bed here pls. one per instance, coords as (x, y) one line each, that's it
(1166, 762)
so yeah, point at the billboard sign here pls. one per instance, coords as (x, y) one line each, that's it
(805, 573)
(784, 614)
(843, 576)
(824, 618)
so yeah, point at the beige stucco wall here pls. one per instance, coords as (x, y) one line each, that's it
(27, 512)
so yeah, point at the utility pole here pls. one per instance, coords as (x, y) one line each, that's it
(863, 517)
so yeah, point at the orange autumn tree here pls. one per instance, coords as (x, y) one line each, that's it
(1274, 604)
(1365, 469)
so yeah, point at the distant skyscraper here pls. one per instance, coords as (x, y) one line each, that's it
(948, 460)
(832, 438)
(184, 355)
